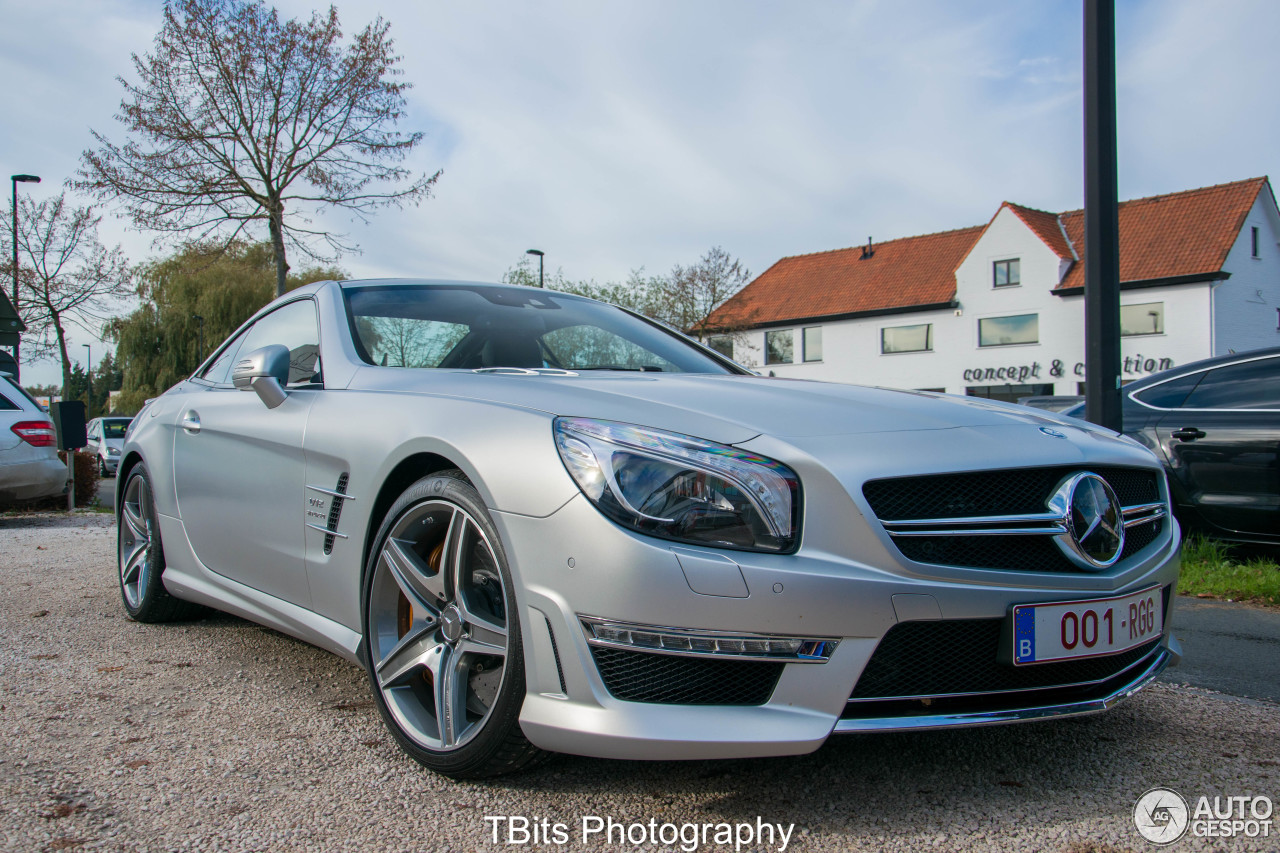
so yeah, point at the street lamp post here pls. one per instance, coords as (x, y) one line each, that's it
(539, 253)
(88, 375)
(14, 180)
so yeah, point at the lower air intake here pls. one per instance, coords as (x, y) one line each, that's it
(671, 680)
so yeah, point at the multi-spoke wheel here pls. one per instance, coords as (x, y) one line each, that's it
(442, 636)
(141, 557)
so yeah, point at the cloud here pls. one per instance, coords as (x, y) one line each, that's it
(620, 135)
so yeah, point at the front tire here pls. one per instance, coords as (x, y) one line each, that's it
(140, 555)
(442, 635)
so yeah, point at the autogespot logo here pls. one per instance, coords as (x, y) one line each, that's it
(1161, 816)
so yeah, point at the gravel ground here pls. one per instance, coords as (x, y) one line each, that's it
(221, 735)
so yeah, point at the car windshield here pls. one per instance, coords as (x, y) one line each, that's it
(114, 429)
(478, 326)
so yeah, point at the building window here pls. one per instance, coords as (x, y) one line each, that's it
(1144, 319)
(813, 343)
(1009, 393)
(1006, 331)
(1253, 233)
(918, 338)
(778, 347)
(722, 344)
(1007, 273)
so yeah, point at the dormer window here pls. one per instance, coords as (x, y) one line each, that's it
(1006, 273)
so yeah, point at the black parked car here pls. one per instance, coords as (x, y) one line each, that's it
(1216, 426)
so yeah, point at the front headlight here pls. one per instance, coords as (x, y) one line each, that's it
(113, 451)
(682, 488)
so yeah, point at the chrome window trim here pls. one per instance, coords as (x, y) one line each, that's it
(1132, 395)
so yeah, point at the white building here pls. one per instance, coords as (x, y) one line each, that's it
(998, 310)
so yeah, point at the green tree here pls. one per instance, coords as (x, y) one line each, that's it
(158, 345)
(239, 118)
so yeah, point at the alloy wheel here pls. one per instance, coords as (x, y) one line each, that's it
(438, 635)
(137, 536)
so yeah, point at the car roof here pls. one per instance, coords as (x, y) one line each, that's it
(1203, 364)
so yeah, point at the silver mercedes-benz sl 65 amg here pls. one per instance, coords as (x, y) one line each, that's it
(545, 524)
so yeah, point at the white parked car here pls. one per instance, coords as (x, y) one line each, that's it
(29, 464)
(106, 437)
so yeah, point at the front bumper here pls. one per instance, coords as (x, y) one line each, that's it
(576, 563)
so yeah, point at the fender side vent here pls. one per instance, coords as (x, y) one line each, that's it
(555, 650)
(335, 512)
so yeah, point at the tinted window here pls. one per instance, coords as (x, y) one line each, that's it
(1003, 331)
(115, 429)
(1169, 395)
(470, 327)
(1250, 385)
(219, 372)
(7, 405)
(778, 347)
(17, 391)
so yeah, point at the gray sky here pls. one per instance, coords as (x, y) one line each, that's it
(622, 135)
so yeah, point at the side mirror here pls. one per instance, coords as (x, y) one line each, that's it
(265, 371)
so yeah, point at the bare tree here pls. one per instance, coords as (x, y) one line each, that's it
(240, 118)
(689, 295)
(66, 276)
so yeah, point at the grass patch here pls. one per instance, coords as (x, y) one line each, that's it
(1213, 569)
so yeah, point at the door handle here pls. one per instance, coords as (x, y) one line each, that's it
(191, 421)
(1188, 434)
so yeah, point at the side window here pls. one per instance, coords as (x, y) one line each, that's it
(1169, 395)
(1251, 385)
(219, 372)
(7, 405)
(294, 327)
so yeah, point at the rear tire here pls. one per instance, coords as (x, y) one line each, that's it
(140, 556)
(442, 634)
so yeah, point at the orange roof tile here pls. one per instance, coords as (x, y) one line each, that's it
(901, 273)
(1047, 227)
(1178, 234)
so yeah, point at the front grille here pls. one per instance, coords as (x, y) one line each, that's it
(1013, 553)
(960, 656)
(991, 493)
(674, 680)
(1011, 492)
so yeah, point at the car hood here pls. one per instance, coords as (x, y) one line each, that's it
(728, 409)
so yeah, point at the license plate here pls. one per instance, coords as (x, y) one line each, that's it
(1066, 630)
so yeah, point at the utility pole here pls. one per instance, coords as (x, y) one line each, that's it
(14, 180)
(1101, 219)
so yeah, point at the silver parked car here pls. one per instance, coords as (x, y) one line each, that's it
(29, 464)
(106, 438)
(542, 523)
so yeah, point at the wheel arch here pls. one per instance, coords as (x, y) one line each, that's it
(127, 463)
(406, 472)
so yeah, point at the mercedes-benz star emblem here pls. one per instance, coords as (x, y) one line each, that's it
(1052, 433)
(1094, 537)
